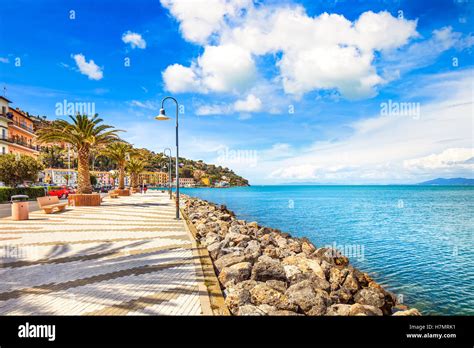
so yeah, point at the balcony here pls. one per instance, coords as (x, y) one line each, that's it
(20, 142)
(22, 126)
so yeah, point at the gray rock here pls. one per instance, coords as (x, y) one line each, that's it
(263, 294)
(229, 260)
(338, 310)
(235, 273)
(250, 310)
(214, 249)
(237, 298)
(278, 285)
(410, 312)
(370, 296)
(342, 295)
(303, 295)
(264, 270)
(359, 309)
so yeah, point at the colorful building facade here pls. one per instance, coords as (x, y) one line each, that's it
(4, 125)
(21, 135)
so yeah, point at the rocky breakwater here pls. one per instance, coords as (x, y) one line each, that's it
(264, 271)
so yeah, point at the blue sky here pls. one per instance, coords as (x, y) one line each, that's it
(279, 91)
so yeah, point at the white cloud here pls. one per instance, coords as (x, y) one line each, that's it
(226, 68)
(423, 53)
(322, 52)
(90, 69)
(179, 79)
(250, 104)
(203, 17)
(245, 106)
(448, 159)
(134, 39)
(145, 105)
(391, 149)
(214, 109)
(4, 60)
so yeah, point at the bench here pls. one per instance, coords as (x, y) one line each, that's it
(113, 195)
(50, 203)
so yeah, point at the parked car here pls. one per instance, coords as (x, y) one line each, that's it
(62, 192)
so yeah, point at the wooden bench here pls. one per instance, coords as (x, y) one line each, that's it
(113, 195)
(51, 203)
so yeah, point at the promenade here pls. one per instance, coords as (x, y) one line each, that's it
(128, 256)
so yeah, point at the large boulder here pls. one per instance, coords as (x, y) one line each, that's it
(235, 273)
(264, 294)
(338, 310)
(359, 309)
(267, 269)
(332, 256)
(409, 312)
(370, 296)
(229, 260)
(250, 310)
(305, 264)
(308, 299)
(341, 295)
(237, 297)
(253, 250)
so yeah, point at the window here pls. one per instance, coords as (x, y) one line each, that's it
(4, 133)
(3, 150)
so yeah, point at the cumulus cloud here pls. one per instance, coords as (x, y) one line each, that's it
(205, 17)
(134, 39)
(327, 51)
(90, 69)
(179, 79)
(226, 68)
(249, 104)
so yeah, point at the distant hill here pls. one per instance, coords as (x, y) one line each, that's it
(453, 181)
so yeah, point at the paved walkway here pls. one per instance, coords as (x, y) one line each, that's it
(126, 257)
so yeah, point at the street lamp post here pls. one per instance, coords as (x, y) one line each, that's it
(169, 171)
(162, 117)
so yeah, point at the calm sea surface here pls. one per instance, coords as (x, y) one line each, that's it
(417, 241)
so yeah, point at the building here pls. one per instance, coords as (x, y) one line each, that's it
(21, 136)
(4, 125)
(58, 176)
(153, 178)
(185, 182)
(103, 178)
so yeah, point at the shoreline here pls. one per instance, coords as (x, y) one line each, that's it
(264, 271)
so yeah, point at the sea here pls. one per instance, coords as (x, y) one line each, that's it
(416, 241)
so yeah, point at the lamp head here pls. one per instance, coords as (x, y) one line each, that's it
(162, 116)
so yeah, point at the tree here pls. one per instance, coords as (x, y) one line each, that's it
(93, 180)
(83, 134)
(134, 167)
(16, 170)
(53, 156)
(118, 152)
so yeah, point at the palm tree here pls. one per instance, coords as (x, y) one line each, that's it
(118, 152)
(83, 134)
(134, 167)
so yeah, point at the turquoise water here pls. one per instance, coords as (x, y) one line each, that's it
(417, 241)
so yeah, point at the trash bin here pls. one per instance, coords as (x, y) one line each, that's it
(20, 207)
